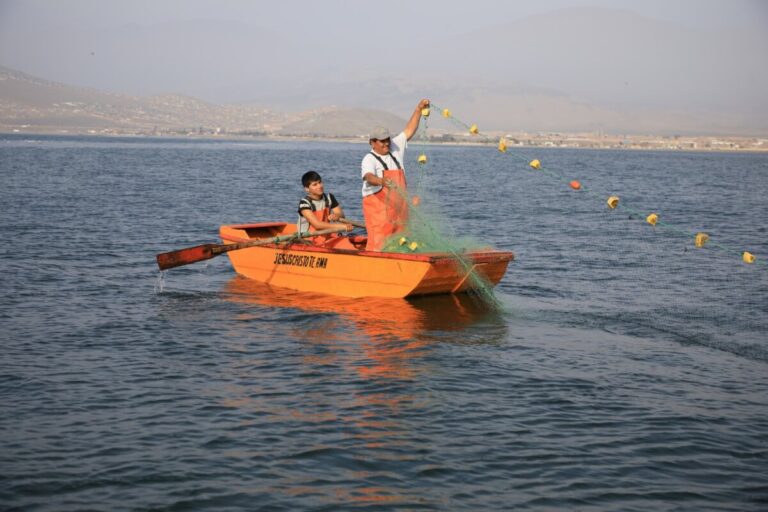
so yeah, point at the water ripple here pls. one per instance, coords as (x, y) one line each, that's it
(621, 373)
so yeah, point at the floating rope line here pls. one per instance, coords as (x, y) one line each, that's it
(422, 159)
(700, 239)
(472, 129)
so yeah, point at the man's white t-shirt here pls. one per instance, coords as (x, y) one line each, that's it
(371, 164)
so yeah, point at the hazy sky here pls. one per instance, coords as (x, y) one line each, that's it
(686, 55)
(349, 19)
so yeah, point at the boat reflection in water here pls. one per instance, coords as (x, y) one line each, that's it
(362, 364)
(393, 332)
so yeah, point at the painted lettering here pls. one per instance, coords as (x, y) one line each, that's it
(297, 260)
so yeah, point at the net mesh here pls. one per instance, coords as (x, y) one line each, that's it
(427, 231)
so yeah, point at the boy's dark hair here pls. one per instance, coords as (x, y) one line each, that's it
(310, 177)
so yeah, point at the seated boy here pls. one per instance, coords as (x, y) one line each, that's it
(318, 210)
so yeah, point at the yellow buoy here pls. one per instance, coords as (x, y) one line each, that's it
(748, 257)
(473, 129)
(502, 145)
(413, 246)
(422, 159)
(701, 239)
(535, 164)
(446, 112)
(575, 185)
(402, 240)
(425, 112)
(613, 202)
(652, 219)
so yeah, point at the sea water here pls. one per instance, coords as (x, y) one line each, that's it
(625, 370)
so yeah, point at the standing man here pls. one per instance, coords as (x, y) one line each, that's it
(384, 188)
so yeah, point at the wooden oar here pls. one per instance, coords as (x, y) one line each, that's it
(355, 223)
(203, 252)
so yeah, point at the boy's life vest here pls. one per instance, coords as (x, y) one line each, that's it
(386, 211)
(320, 213)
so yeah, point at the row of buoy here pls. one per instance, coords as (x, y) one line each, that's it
(613, 202)
(700, 238)
(473, 130)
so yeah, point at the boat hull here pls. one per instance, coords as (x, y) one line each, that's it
(340, 266)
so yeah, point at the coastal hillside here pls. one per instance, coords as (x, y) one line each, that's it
(32, 104)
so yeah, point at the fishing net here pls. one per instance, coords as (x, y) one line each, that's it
(611, 263)
(427, 231)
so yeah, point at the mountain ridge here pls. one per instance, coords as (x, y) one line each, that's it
(33, 103)
(574, 69)
(37, 105)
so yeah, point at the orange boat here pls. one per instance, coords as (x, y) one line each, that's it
(339, 265)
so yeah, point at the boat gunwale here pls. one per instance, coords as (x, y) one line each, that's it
(432, 258)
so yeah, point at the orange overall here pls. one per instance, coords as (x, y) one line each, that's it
(386, 211)
(322, 215)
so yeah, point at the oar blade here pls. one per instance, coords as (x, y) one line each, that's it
(186, 256)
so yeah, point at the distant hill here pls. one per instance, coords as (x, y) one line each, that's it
(575, 69)
(620, 73)
(33, 104)
(341, 122)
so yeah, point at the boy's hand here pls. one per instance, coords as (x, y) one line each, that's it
(343, 226)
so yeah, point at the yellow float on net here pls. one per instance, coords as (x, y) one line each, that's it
(652, 219)
(446, 112)
(402, 240)
(535, 164)
(413, 246)
(502, 145)
(748, 257)
(425, 112)
(473, 129)
(613, 202)
(422, 159)
(701, 239)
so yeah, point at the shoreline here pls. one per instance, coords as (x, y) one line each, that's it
(522, 140)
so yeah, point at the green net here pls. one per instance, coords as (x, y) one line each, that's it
(427, 231)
